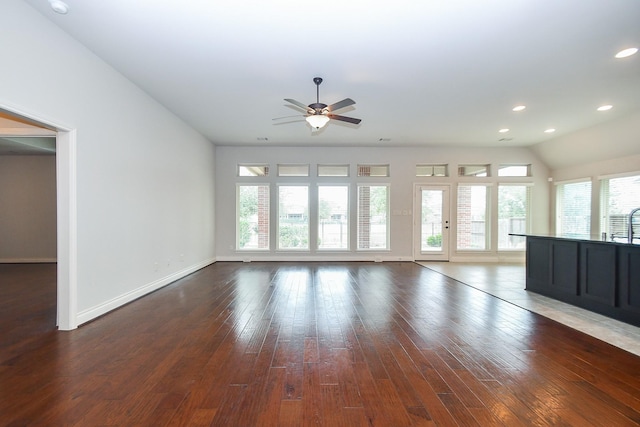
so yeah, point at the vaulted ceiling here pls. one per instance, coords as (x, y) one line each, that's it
(422, 72)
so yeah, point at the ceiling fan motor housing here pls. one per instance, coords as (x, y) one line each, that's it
(318, 107)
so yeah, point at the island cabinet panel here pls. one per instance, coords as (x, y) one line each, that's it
(552, 268)
(598, 273)
(564, 272)
(538, 265)
(629, 279)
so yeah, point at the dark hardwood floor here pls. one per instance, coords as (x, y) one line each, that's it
(301, 344)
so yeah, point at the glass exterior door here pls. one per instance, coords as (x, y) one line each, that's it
(432, 223)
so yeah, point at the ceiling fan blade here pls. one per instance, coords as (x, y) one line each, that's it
(298, 104)
(341, 104)
(288, 117)
(344, 119)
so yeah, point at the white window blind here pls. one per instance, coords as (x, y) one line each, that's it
(573, 209)
(619, 196)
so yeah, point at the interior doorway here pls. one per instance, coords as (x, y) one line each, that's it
(431, 223)
(29, 124)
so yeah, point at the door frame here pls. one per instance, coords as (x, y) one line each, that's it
(418, 255)
(66, 212)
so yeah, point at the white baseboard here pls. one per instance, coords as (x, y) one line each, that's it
(514, 258)
(27, 260)
(98, 310)
(313, 258)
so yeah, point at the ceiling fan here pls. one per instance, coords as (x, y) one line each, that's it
(319, 114)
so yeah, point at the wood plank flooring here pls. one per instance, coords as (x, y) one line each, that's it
(305, 344)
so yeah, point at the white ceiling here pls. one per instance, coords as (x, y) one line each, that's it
(422, 72)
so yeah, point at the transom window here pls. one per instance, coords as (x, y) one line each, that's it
(293, 170)
(473, 170)
(514, 170)
(373, 170)
(333, 170)
(431, 170)
(253, 170)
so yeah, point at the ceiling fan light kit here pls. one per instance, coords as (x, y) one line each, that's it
(319, 114)
(317, 120)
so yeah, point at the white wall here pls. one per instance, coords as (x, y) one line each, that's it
(145, 179)
(402, 163)
(615, 139)
(27, 209)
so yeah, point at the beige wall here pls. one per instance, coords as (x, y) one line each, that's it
(27, 208)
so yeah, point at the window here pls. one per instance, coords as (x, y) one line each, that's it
(253, 170)
(472, 229)
(619, 196)
(373, 170)
(513, 209)
(431, 170)
(333, 170)
(293, 217)
(573, 209)
(473, 170)
(252, 229)
(293, 170)
(373, 214)
(514, 170)
(333, 217)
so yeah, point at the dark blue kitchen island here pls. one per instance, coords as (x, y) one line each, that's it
(600, 276)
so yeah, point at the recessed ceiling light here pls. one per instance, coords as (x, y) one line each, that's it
(59, 6)
(627, 52)
(550, 130)
(519, 107)
(505, 130)
(605, 107)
